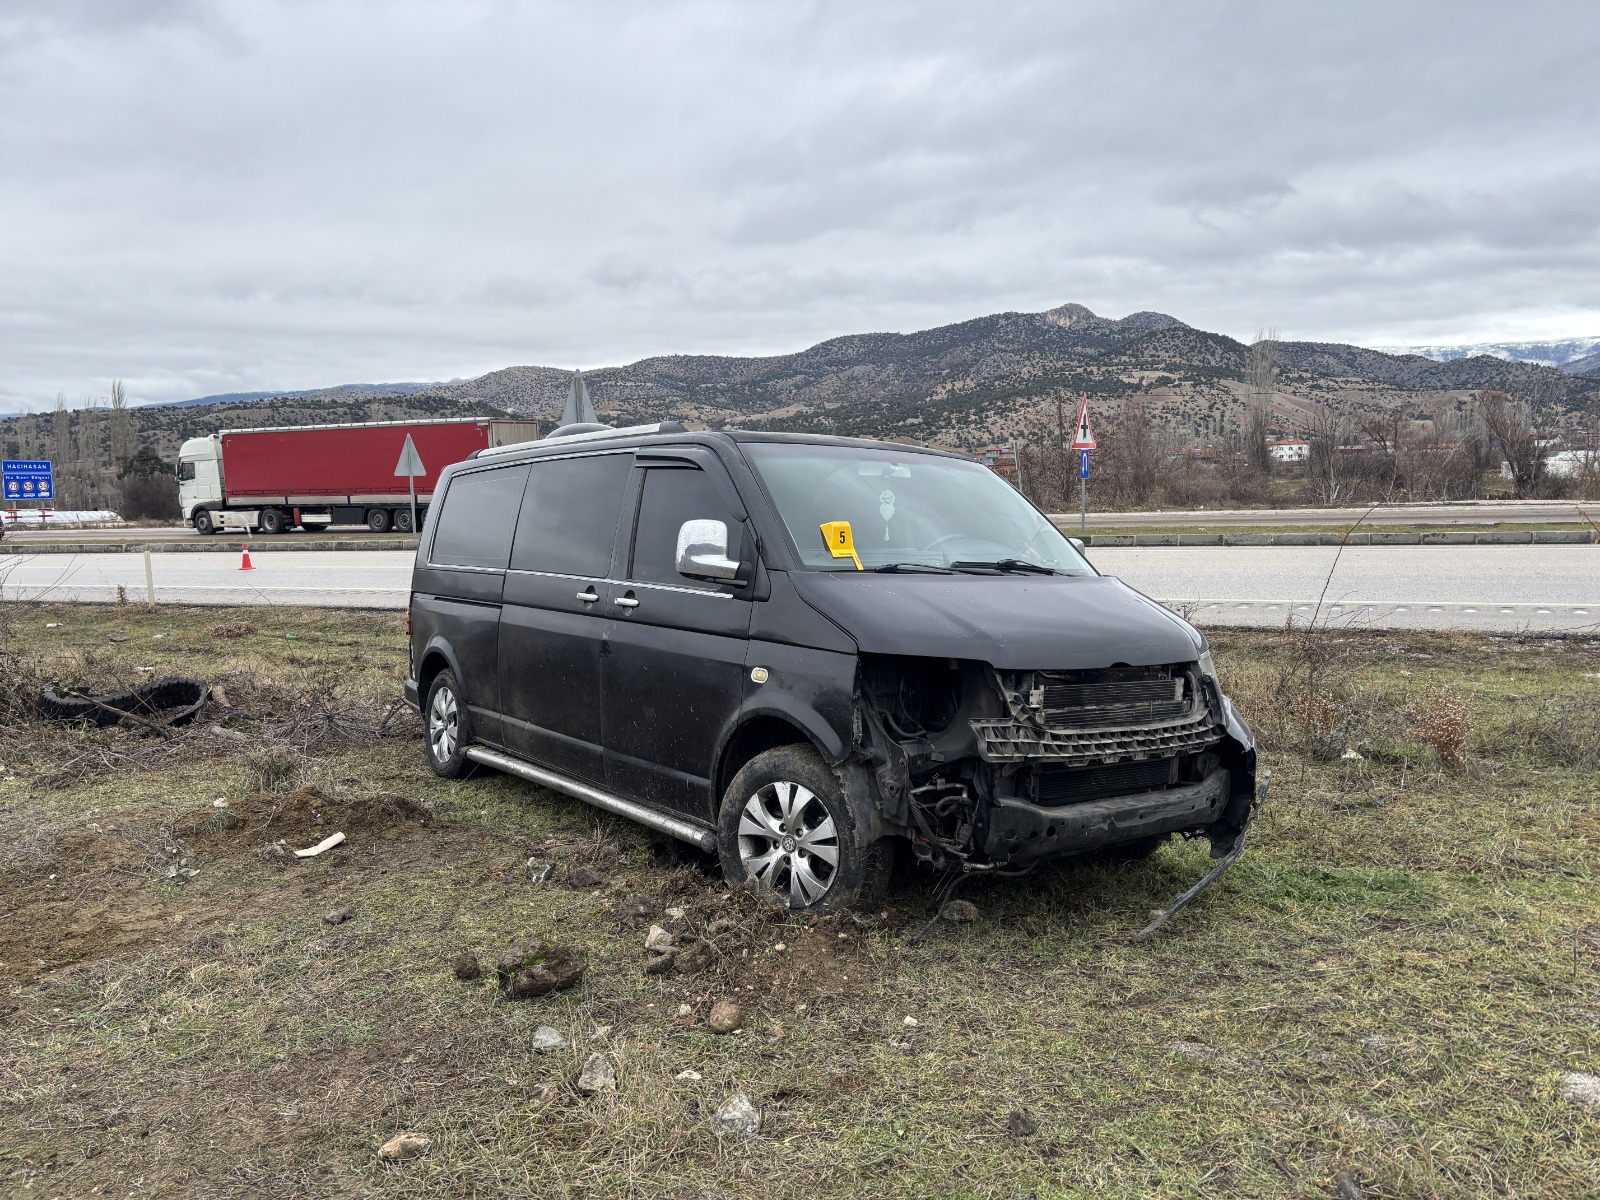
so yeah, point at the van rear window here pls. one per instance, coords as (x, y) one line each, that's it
(480, 511)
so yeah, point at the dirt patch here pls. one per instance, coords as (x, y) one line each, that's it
(77, 897)
(300, 818)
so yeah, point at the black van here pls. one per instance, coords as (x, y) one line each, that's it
(800, 652)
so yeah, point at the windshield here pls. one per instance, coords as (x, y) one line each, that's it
(906, 509)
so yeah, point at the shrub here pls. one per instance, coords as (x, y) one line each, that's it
(1444, 723)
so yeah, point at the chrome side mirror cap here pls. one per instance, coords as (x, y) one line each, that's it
(703, 551)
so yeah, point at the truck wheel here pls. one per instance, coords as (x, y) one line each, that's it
(203, 525)
(402, 520)
(785, 826)
(273, 521)
(449, 729)
(378, 520)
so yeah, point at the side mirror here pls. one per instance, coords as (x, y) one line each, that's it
(703, 551)
(1077, 544)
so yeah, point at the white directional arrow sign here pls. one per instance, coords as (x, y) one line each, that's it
(410, 465)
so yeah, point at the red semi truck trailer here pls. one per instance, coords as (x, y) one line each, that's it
(275, 480)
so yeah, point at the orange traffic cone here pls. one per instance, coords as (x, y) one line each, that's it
(245, 565)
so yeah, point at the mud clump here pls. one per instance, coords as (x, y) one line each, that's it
(539, 967)
(302, 817)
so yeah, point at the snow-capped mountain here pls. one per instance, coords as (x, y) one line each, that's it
(1546, 354)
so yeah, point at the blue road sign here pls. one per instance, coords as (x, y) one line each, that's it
(27, 479)
(1083, 464)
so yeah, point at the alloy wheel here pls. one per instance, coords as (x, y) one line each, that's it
(788, 842)
(444, 725)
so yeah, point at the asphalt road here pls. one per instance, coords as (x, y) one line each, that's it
(1504, 588)
(1473, 512)
(1469, 512)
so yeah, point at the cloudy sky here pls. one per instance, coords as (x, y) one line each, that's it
(230, 195)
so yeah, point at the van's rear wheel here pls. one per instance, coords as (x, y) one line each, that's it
(449, 729)
(274, 521)
(785, 826)
(378, 520)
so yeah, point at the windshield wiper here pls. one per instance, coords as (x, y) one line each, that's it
(909, 568)
(1006, 564)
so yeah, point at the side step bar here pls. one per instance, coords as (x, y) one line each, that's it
(687, 831)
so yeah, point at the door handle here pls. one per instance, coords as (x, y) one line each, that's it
(589, 597)
(626, 602)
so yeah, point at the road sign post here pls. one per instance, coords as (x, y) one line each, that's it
(410, 465)
(1083, 490)
(1083, 442)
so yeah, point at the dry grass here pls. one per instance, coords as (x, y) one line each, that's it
(1390, 983)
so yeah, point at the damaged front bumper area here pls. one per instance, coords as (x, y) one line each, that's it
(994, 768)
(1019, 832)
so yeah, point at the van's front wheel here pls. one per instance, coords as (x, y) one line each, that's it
(786, 827)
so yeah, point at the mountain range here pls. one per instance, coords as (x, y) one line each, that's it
(1575, 356)
(968, 384)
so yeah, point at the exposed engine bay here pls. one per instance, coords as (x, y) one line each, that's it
(990, 768)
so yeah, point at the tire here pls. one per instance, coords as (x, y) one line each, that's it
(273, 521)
(447, 729)
(402, 520)
(772, 794)
(378, 520)
(203, 524)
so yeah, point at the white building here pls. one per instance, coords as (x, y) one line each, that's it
(1290, 450)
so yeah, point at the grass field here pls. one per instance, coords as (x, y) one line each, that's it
(1391, 984)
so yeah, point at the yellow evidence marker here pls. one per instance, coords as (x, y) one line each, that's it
(841, 541)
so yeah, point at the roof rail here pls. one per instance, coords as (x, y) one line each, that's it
(592, 436)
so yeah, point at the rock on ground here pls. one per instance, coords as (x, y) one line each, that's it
(404, 1145)
(539, 967)
(726, 1016)
(658, 939)
(959, 912)
(583, 877)
(1581, 1088)
(737, 1115)
(339, 915)
(547, 1039)
(1020, 1124)
(465, 965)
(598, 1075)
(692, 958)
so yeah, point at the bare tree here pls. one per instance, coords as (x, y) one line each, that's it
(1513, 426)
(1261, 381)
(61, 451)
(123, 433)
(1326, 431)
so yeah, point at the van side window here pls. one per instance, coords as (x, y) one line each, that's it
(480, 511)
(671, 496)
(569, 515)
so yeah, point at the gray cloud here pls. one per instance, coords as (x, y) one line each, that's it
(232, 195)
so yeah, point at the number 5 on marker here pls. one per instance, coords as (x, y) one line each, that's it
(841, 542)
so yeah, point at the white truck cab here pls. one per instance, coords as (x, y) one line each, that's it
(200, 481)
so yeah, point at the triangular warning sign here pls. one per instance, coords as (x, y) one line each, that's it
(1083, 438)
(410, 461)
